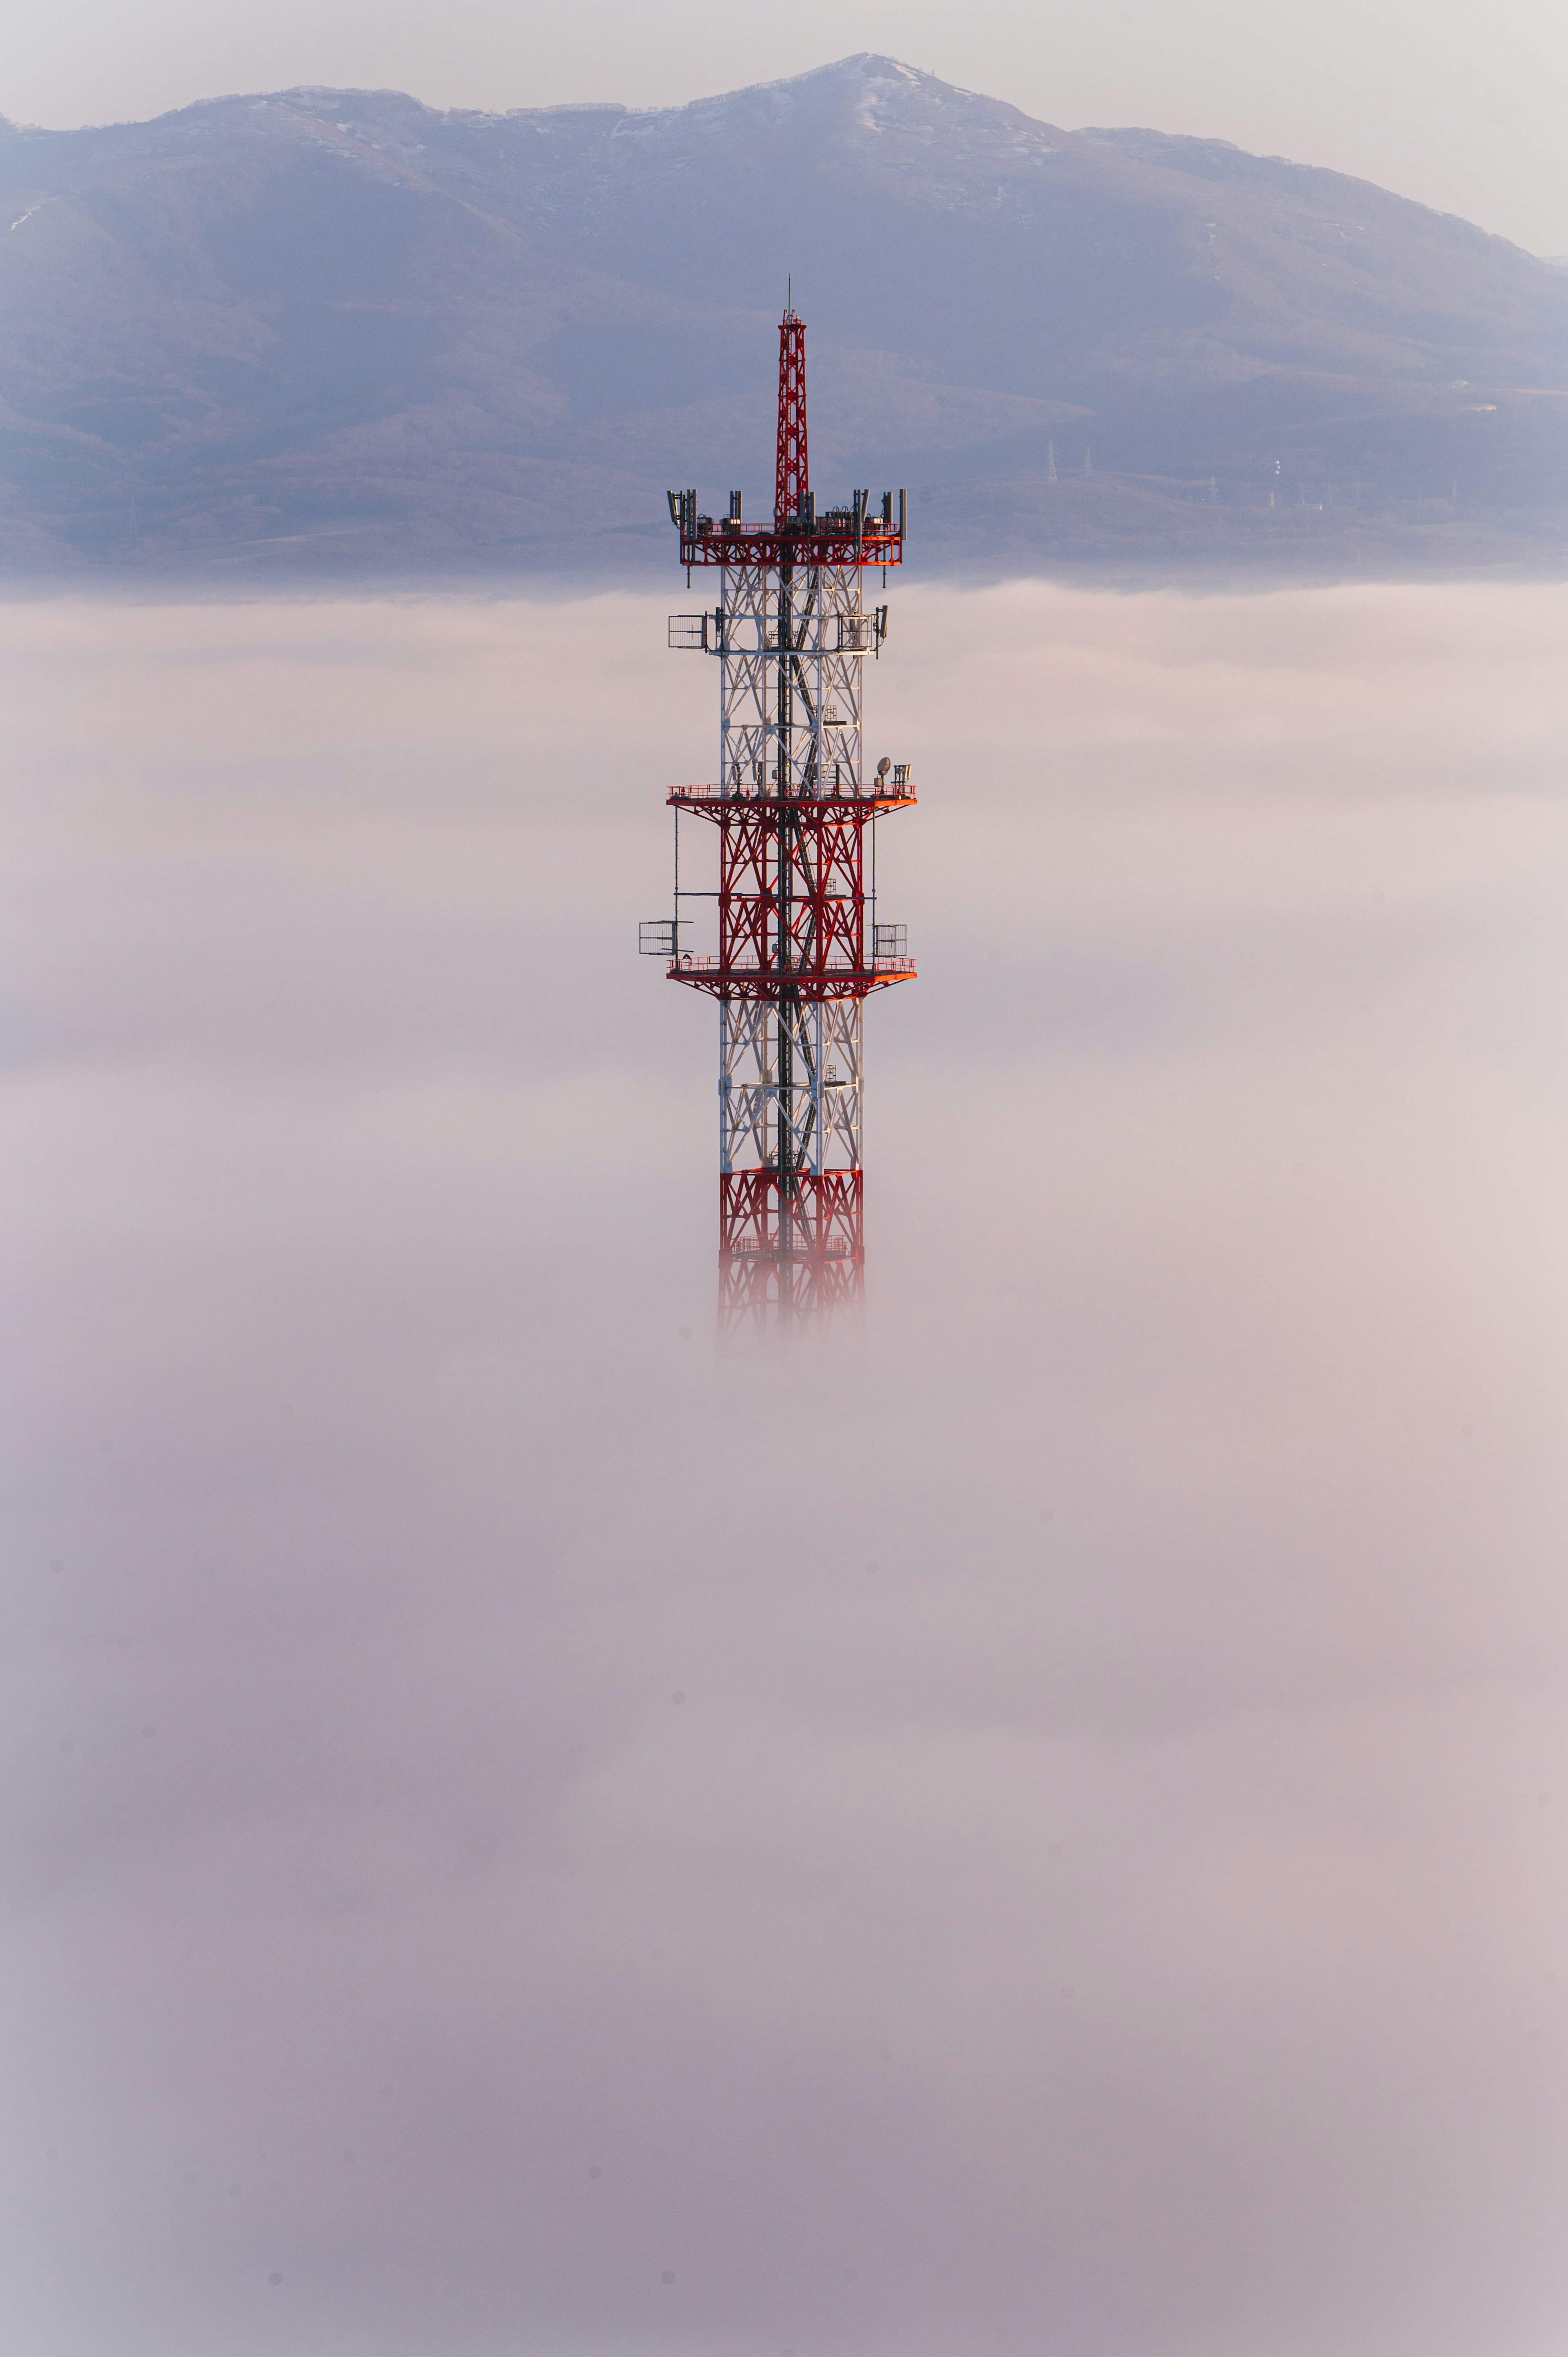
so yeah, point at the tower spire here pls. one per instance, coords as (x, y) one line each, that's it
(792, 486)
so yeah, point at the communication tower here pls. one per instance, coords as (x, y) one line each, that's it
(799, 944)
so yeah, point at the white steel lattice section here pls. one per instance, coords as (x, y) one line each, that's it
(796, 1063)
(790, 646)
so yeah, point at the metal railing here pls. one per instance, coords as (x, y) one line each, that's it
(763, 1248)
(690, 963)
(898, 787)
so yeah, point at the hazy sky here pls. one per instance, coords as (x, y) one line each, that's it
(1043, 1832)
(1458, 106)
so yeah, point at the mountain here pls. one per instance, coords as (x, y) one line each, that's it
(328, 331)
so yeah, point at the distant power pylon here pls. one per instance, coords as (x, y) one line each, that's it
(800, 947)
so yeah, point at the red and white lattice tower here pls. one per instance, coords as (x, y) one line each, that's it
(799, 946)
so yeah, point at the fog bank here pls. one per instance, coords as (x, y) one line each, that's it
(1038, 1827)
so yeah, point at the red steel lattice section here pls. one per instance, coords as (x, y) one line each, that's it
(789, 1258)
(793, 909)
(794, 472)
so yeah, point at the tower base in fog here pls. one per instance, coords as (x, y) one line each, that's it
(788, 1257)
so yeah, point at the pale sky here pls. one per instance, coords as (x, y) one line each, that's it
(1459, 107)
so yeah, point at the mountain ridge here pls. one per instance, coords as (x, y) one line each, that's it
(327, 330)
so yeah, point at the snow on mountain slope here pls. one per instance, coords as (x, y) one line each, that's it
(339, 327)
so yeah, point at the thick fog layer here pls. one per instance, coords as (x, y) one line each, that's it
(1038, 1830)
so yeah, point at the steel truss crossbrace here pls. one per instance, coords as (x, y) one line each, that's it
(789, 1084)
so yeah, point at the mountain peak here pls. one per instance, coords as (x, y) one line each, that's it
(342, 326)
